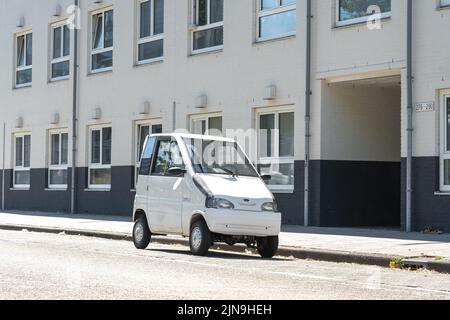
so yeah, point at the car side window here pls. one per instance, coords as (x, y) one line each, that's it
(147, 155)
(168, 156)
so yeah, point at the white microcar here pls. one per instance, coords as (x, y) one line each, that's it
(204, 188)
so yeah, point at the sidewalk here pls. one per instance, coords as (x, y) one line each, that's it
(364, 246)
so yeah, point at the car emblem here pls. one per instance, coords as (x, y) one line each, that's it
(247, 203)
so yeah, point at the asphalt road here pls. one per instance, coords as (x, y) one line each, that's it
(46, 266)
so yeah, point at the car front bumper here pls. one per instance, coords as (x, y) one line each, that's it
(243, 223)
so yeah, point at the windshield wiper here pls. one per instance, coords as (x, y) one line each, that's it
(228, 171)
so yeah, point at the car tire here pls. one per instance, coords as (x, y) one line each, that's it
(268, 247)
(200, 239)
(141, 234)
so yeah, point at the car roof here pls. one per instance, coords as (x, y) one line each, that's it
(193, 136)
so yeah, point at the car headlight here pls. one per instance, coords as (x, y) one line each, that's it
(219, 203)
(269, 207)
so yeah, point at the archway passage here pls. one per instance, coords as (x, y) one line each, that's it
(360, 169)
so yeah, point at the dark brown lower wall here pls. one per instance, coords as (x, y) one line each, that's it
(342, 194)
(359, 194)
(429, 210)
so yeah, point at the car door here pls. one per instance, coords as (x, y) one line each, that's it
(142, 183)
(165, 196)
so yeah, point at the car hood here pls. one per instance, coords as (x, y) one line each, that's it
(237, 187)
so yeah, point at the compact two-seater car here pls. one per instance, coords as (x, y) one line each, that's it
(204, 188)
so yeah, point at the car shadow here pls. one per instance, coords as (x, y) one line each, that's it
(220, 255)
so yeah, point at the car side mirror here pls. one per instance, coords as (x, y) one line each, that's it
(176, 172)
(266, 177)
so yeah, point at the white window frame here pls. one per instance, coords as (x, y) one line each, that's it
(269, 12)
(62, 58)
(359, 20)
(204, 117)
(60, 166)
(21, 168)
(152, 36)
(24, 67)
(442, 5)
(196, 27)
(98, 166)
(276, 151)
(445, 154)
(93, 51)
(139, 125)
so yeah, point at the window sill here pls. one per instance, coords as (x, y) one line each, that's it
(20, 189)
(356, 23)
(97, 190)
(56, 189)
(100, 71)
(56, 80)
(440, 8)
(274, 39)
(206, 52)
(442, 193)
(278, 191)
(148, 62)
(22, 86)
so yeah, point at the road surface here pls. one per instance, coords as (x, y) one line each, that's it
(50, 266)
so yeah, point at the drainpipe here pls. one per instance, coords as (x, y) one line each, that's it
(409, 187)
(3, 167)
(174, 116)
(308, 94)
(73, 191)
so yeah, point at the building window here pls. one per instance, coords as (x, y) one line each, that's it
(445, 149)
(22, 160)
(102, 41)
(60, 62)
(24, 59)
(445, 3)
(58, 159)
(100, 158)
(207, 124)
(207, 35)
(144, 129)
(357, 11)
(276, 147)
(151, 30)
(276, 19)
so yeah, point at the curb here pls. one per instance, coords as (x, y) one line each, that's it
(286, 252)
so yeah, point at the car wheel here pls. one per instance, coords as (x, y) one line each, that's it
(141, 234)
(268, 247)
(200, 238)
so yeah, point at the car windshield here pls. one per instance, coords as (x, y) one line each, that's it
(218, 157)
